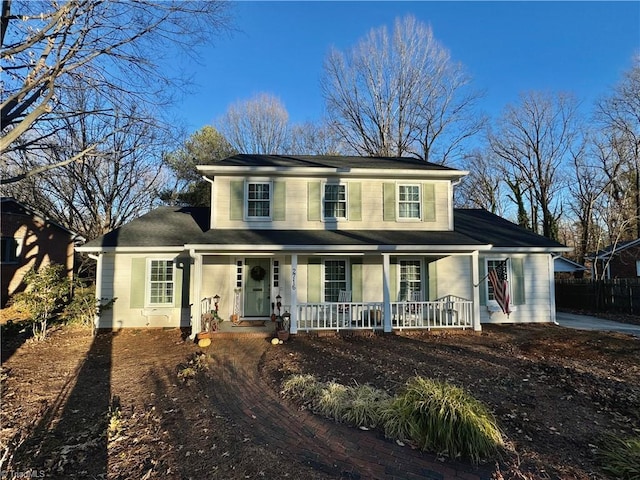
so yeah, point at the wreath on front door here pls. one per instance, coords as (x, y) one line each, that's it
(258, 273)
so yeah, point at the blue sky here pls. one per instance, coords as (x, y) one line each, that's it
(507, 47)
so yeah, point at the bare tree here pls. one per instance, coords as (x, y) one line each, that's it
(114, 183)
(619, 116)
(400, 95)
(258, 125)
(483, 187)
(113, 48)
(533, 139)
(313, 139)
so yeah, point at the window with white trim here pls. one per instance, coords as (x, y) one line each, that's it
(500, 264)
(258, 200)
(335, 278)
(410, 279)
(335, 201)
(409, 201)
(161, 282)
(10, 249)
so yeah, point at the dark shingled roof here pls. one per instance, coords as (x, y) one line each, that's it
(327, 161)
(162, 227)
(486, 227)
(175, 227)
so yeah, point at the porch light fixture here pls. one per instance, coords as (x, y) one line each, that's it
(278, 301)
(216, 299)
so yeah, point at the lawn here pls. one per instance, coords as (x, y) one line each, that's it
(147, 404)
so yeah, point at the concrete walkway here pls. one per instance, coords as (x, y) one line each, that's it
(333, 449)
(585, 322)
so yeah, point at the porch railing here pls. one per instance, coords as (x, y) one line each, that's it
(449, 311)
(340, 316)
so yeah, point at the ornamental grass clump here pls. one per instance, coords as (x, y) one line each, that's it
(621, 457)
(442, 418)
(364, 406)
(332, 401)
(305, 388)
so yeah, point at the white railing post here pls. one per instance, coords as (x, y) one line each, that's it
(293, 326)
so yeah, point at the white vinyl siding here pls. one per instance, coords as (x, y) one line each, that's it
(303, 207)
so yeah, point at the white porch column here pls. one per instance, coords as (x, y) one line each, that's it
(386, 292)
(552, 290)
(293, 327)
(475, 282)
(96, 320)
(196, 314)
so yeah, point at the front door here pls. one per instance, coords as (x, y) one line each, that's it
(256, 287)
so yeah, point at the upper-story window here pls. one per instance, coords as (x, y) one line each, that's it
(10, 250)
(409, 201)
(258, 200)
(335, 201)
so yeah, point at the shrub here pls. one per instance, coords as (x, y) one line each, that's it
(48, 289)
(621, 457)
(442, 418)
(83, 307)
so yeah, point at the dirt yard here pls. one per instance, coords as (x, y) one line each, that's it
(144, 404)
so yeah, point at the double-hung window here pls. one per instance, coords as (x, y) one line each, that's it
(10, 250)
(410, 280)
(335, 201)
(502, 274)
(409, 201)
(335, 279)
(258, 200)
(161, 282)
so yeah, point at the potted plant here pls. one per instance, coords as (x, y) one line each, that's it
(282, 326)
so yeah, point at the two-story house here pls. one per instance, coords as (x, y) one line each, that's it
(339, 242)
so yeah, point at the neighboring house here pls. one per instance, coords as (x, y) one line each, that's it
(30, 239)
(342, 242)
(620, 260)
(563, 267)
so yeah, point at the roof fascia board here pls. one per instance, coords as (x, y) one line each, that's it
(338, 248)
(324, 171)
(531, 249)
(129, 249)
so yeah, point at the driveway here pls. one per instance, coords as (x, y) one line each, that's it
(585, 322)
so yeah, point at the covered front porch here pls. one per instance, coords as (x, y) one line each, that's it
(383, 292)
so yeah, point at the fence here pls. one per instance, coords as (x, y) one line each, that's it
(621, 295)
